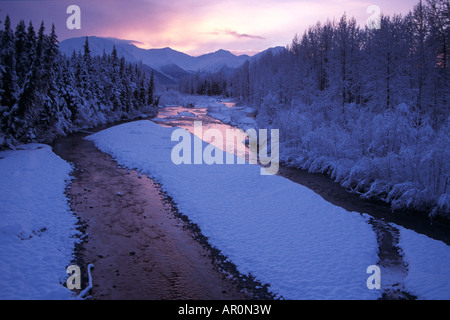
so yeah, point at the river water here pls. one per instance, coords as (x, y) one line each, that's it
(140, 249)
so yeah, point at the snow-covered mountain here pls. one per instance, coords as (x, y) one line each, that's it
(274, 51)
(169, 64)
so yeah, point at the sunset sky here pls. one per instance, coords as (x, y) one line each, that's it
(196, 26)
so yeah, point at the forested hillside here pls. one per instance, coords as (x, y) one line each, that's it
(368, 106)
(44, 94)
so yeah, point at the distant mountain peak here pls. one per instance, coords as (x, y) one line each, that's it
(170, 62)
(167, 49)
(222, 51)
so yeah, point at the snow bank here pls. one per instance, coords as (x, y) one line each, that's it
(428, 265)
(228, 112)
(281, 232)
(36, 226)
(186, 114)
(175, 98)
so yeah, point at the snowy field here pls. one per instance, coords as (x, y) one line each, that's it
(281, 232)
(428, 259)
(36, 226)
(428, 265)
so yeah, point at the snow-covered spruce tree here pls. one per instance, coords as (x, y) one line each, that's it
(50, 113)
(22, 59)
(151, 89)
(20, 118)
(10, 88)
(45, 94)
(8, 62)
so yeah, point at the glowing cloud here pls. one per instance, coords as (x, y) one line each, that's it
(196, 26)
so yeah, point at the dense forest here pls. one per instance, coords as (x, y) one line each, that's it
(368, 106)
(45, 94)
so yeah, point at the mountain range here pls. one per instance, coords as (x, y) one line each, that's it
(168, 64)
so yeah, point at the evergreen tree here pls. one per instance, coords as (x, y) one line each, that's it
(9, 84)
(31, 41)
(45, 94)
(40, 44)
(21, 117)
(87, 52)
(50, 99)
(151, 90)
(67, 90)
(21, 52)
(8, 62)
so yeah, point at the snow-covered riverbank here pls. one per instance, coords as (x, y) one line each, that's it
(282, 233)
(37, 228)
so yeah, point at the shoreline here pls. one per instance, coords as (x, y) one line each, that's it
(388, 239)
(436, 227)
(140, 246)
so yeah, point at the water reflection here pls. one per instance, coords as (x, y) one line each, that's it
(233, 138)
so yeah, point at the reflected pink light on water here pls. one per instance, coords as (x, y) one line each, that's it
(232, 142)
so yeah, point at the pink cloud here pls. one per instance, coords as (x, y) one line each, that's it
(235, 34)
(185, 25)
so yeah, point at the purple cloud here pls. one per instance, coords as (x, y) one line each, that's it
(239, 35)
